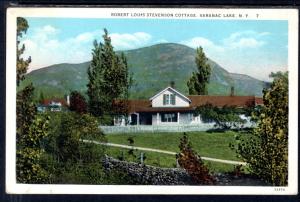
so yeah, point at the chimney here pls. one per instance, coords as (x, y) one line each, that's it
(172, 84)
(232, 91)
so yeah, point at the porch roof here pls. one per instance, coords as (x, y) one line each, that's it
(197, 100)
(145, 106)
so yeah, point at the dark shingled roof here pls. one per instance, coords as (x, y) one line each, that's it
(197, 100)
(220, 101)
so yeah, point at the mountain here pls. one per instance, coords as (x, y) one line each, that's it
(153, 69)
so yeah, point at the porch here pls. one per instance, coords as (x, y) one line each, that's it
(162, 118)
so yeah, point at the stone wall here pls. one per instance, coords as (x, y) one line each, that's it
(145, 174)
(150, 175)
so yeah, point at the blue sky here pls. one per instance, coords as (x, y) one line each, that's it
(250, 47)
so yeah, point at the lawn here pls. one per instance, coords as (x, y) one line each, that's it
(214, 145)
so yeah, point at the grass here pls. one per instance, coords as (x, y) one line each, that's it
(163, 160)
(214, 145)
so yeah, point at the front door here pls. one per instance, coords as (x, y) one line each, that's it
(133, 119)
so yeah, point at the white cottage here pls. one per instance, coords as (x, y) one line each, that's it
(170, 107)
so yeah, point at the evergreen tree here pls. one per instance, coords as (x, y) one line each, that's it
(22, 65)
(31, 128)
(266, 151)
(192, 162)
(42, 97)
(197, 84)
(109, 80)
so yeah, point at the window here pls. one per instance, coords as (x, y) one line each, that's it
(172, 96)
(169, 117)
(169, 99)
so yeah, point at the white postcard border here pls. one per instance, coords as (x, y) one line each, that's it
(252, 14)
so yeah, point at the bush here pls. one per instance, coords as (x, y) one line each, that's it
(68, 160)
(225, 117)
(67, 131)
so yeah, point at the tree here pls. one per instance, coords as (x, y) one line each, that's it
(109, 79)
(192, 162)
(31, 128)
(22, 65)
(26, 112)
(72, 129)
(77, 102)
(124, 81)
(197, 84)
(266, 151)
(225, 117)
(67, 157)
(41, 98)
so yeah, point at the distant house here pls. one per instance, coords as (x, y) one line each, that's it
(53, 105)
(170, 107)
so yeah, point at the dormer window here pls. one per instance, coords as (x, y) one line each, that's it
(169, 99)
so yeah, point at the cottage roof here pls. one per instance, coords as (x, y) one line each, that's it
(220, 101)
(196, 100)
(259, 101)
(145, 106)
(47, 102)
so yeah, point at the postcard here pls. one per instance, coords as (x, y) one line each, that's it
(152, 101)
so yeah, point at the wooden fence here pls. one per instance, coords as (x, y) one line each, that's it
(152, 129)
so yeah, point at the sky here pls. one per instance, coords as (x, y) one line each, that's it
(255, 48)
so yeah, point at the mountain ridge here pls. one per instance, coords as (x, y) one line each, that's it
(153, 68)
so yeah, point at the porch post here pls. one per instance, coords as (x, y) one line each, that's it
(138, 119)
(128, 119)
(157, 118)
(178, 116)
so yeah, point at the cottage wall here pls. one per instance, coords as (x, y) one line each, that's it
(179, 101)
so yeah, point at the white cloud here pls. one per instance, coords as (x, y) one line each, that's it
(43, 33)
(46, 48)
(130, 41)
(236, 52)
(236, 40)
(203, 42)
(49, 29)
(245, 43)
(264, 34)
(84, 37)
(161, 41)
(245, 39)
(230, 45)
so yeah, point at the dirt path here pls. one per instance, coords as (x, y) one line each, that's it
(161, 151)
